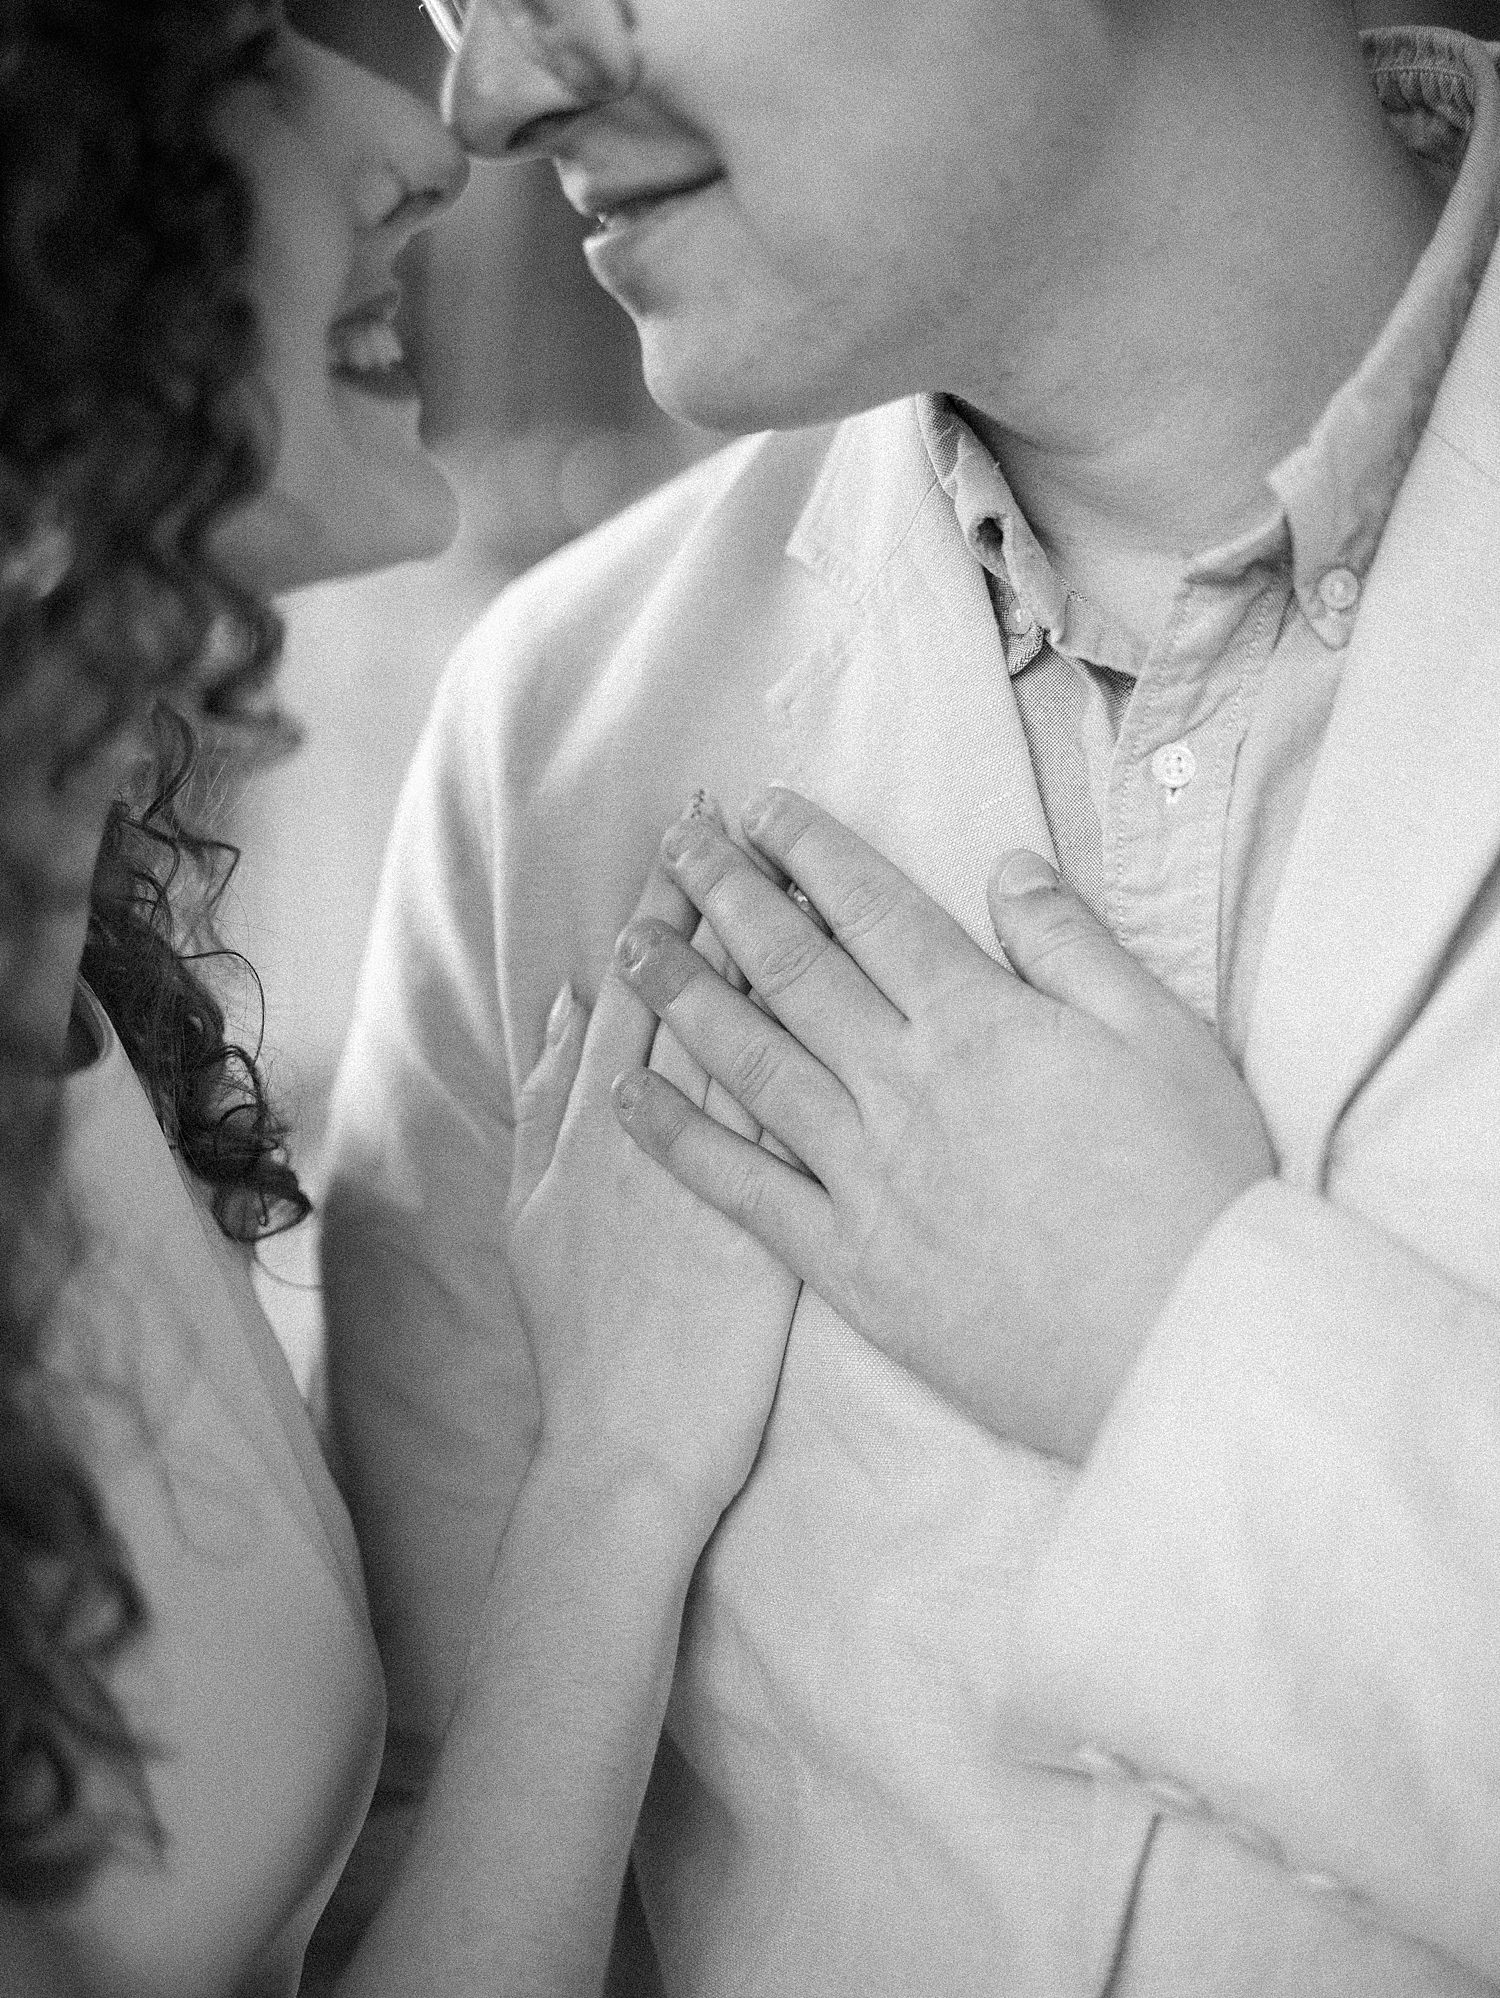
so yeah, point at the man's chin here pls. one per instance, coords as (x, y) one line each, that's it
(716, 386)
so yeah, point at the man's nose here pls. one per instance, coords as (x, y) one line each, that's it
(521, 63)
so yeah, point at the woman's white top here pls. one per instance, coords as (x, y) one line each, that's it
(257, 1684)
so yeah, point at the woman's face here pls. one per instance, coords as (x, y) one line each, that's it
(345, 168)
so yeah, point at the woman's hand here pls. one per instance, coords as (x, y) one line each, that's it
(657, 1327)
(1006, 1173)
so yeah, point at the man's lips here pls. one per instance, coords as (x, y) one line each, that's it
(615, 207)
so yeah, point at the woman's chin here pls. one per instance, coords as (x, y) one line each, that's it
(282, 542)
(416, 523)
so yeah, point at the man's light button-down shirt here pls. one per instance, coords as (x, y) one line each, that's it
(1176, 1797)
(1314, 1882)
(1092, 1760)
(1173, 775)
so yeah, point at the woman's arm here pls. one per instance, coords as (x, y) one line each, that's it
(657, 1330)
(513, 1879)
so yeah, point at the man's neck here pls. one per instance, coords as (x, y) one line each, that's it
(1258, 225)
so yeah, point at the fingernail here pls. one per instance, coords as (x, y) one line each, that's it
(633, 946)
(558, 1018)
(757, 811)
(626, 1090)
(1026, 873)
(682, 838)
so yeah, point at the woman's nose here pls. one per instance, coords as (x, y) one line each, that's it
(409, 192)
(401, 164)
(524, 60)
(419, 155)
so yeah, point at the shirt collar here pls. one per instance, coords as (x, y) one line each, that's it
(1334, 492)
(1032, 602)
(1441, 94)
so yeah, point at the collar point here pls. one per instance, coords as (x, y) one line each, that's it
(1333, 629)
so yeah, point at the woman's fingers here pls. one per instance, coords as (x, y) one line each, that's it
(582, 1053)
(543, 1100)
(905, 942)
(782, 1086)
(671, 1059)
(623, 1026)
(785, 1211)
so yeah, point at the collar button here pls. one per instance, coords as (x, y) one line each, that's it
(1338, 589)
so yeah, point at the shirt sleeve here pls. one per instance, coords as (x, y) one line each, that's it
(432, 1392)
(1274, 1595)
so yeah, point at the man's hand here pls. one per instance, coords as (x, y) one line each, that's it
(657, 1328)
(1005, 1173)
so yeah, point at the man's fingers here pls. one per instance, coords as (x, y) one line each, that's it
(900, 938)
(777, 1081)
(543, 1100)
(1057, 947)
(785, 1211)
(806, 979)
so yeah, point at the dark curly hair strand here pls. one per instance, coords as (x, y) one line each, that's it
(130, 423)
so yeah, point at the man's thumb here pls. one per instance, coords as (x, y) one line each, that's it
(1059, 948)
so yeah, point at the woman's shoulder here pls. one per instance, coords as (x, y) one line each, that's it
(255, 1689)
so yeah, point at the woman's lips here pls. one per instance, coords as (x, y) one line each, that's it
(365, 351)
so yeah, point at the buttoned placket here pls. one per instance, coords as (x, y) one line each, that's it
(1172, 721)
(1145, 744)
(1167, 799)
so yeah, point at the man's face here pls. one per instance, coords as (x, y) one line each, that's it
(813, 206)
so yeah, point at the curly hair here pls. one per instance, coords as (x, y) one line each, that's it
(131, 421)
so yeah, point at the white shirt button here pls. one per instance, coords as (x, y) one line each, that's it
(1174, 766)
(1016, 619)
(1338, 590)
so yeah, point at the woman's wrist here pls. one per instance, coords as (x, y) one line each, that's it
(623, 1497)
(552, 1739)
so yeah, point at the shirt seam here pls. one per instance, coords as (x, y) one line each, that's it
(1490, 477)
